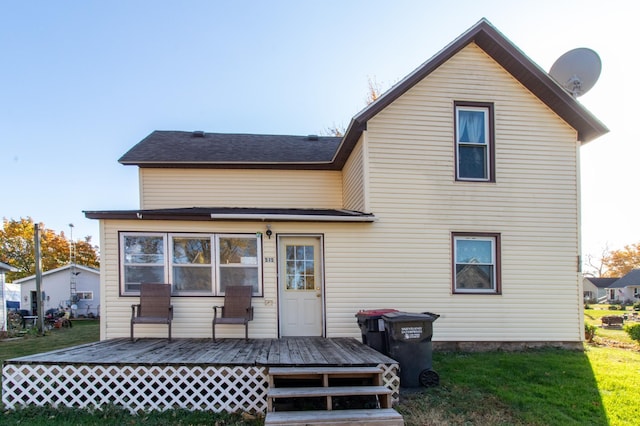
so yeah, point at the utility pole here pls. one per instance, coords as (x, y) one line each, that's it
(38, 258)
(73, 296)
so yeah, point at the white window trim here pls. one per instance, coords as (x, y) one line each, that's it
(485, 144)
(239, 265)
(123, 264)
(211, 265)
(168, 260)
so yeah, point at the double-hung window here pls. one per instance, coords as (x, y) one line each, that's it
(474, 141)
(476, 263)
(194, 264)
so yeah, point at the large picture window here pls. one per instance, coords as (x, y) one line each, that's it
(194, 264)
(476, 263)
(474, 141)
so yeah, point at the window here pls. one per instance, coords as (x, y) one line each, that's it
(143, 260)
(195, 264)
(191, 269)
(476, 263)
(474, 142)
(238, 262)
(84, 295)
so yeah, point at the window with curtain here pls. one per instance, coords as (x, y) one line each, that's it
(474, 141)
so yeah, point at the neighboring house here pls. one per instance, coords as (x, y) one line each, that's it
(4, 268)
(56, 290)
(626, 288)
(456, 192)
(596, 288)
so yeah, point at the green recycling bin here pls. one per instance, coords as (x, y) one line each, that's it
(409, 342)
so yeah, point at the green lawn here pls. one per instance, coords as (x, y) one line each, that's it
(598, 386)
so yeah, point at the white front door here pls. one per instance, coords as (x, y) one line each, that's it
(300, 286)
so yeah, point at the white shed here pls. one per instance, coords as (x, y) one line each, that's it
(56, 290)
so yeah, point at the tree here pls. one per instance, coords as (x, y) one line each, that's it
(17, 248)
(373, 94)
(620, 262)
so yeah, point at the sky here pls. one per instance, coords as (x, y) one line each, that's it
(82, 81)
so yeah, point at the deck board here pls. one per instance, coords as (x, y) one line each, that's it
(316, 351)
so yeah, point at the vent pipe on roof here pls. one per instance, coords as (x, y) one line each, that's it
(198, 134)
(312, 137)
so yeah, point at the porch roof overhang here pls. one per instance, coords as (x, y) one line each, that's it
(236, 214)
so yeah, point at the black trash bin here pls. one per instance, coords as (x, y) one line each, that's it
(372, 328)
(409, 342)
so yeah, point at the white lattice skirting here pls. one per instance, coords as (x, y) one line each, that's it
(220, 388)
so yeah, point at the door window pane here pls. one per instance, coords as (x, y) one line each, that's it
(300, 270)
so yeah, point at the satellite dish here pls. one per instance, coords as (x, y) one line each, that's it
(577, 70)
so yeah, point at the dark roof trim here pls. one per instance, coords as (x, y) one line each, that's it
(236, 214)
(496, 45)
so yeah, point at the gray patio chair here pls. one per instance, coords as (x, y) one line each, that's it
(155, 306)
(237, 308)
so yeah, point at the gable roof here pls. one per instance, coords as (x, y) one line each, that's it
(631, 279)
(182, 149)
(601, 282)
(4, 267)
(57, 270)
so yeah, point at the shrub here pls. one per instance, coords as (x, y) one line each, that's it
(589, 332)
(633, 330)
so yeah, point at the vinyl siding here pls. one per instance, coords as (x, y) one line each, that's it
(402, 170)
(171, 188)
(354, 180)
(533, 205)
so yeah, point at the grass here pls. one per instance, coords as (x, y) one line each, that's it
(599, 386)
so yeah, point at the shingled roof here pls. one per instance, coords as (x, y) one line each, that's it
(631, 279)
(215, 150)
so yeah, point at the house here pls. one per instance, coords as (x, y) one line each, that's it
(4, 268)
(456, 192)
(56, 289)
(626, 289)
(596, 288)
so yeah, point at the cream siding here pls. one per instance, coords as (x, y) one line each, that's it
(402, 170)
(172, 188)
(354, 179)
(533, 205)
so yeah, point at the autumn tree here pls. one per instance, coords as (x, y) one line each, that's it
(373, 93)
(620, 262)
(17, 248)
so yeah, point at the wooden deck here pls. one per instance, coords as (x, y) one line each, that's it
(292, 351)
(196, 374)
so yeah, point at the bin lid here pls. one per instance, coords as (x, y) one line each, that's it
(375, 312)
(409, 316)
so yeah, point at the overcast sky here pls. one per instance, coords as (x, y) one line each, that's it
(83, 81)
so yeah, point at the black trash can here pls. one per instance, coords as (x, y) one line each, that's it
(372, 328)
(409, 342)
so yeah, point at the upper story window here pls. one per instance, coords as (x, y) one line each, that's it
(194, 264)
(474, 141)
(476, 263)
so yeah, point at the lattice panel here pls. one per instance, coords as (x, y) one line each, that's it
(391, 379)
(217, 389)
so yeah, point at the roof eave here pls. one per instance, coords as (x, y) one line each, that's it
(504, 52)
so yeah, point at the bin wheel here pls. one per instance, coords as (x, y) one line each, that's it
(429, 378)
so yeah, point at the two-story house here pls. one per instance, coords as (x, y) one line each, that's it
(456, 192)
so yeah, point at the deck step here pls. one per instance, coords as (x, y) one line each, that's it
(309, 392)
(294, 371)
(362, 417)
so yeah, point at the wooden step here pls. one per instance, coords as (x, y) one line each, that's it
(373, 417)
(309, 392)
(294, 371)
